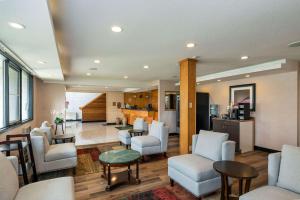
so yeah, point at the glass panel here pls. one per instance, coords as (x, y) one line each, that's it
(25, 96)
(1, 91)
(14, 95)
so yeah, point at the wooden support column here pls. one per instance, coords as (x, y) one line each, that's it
(187, 103)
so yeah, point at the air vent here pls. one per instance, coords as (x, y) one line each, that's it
(294, 44)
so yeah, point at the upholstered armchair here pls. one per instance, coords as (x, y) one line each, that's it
(124, 135)
(195, 171)
(153, 143)
(58, 188)
(283, 177)
(51, 157)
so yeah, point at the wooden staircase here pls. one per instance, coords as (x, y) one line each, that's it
(95, 110)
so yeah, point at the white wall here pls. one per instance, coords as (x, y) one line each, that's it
(166, 116)
(276, 115)
(112, 112)
(78, 99)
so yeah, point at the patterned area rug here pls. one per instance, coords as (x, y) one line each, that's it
(87, 161)
(168, 193)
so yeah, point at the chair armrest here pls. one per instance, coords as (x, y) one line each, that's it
(274, 160)
(14, 161)
(228, 150)
(164, 138)
(194, 142)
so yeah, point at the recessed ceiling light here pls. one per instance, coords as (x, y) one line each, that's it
(244, 57)
(88, 74)
(190, 45)
(146, 67)
(116, 29)
(126, 77)
(97, 61)
(41, 62)
(219, 80)
(16, 25)
(247, 76)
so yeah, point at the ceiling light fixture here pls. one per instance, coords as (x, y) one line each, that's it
(16, 25)
(247, 76)
(146, 67)
(88, 74)
(116, 29)
(41, 62)
(97, 61)
(219, 80)
(126, 77)
(190, 45)
(244, 57)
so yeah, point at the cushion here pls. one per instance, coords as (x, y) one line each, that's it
(40, 132)
(156, 129)
(58, 189)
(270, 193)
(209, 144)
(289, 173)
(45, 124)
(60, 151)
(145, 141)
(9, 184)
(193, 166)
(138, 123)
(124, 133)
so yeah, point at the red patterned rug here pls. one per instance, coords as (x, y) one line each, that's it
(163, 193)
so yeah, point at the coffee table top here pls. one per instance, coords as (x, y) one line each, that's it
(63, 136)
(119, 156)
(235, 169)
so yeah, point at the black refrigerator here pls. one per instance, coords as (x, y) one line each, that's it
(202, 112)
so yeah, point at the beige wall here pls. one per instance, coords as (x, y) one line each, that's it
(276, 106)
(47, 97)
(166, 116)
(112, 112)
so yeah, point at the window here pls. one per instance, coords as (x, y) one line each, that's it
(1, 91)
(16, 89)
(14, 95)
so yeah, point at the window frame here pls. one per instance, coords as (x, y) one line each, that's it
(10, 62)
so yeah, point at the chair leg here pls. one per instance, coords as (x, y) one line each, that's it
(120, 143)
(171, 182)
(74, 171)
(127, 146)
(165, 154)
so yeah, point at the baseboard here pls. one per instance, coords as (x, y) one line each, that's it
(93, 121)
(265, 149)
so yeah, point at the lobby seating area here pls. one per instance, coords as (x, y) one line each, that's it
(149, 100)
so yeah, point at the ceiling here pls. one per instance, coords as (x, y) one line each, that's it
(154, 33)
(34, 43)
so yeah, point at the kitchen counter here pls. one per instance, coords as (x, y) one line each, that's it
(132, 114)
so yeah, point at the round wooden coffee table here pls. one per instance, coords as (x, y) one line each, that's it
(134, 132)
(119, 158)
(236, 170)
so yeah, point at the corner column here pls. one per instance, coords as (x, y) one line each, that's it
(187, 103)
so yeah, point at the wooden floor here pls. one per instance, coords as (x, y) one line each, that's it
(153, 174)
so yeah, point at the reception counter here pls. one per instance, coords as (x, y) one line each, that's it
(147, 115)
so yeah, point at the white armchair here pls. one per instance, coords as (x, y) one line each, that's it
(51, 157)
(58, 188)
(48, 129)
(283, 177)
(195, 171)
(124, 135)
(153, 143)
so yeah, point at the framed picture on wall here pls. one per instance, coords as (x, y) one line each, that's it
(243, 94)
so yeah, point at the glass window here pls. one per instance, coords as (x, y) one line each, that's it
(25, 96)
(1, 91)
(14, 95)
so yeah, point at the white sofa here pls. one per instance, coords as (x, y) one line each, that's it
(283, 177)
(124, 136)
(195, 171)
(153, 143)
(51, 157)
(58, 189)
